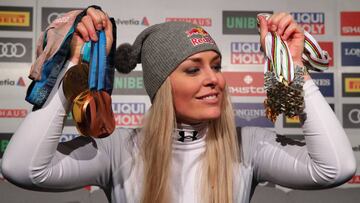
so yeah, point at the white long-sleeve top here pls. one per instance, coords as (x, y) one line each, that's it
(35, 159)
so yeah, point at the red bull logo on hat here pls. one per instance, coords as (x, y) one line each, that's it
(199, 36)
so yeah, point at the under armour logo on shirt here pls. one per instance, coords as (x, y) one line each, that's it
(186, 136)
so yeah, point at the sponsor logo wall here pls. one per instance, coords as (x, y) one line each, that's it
(234, 28)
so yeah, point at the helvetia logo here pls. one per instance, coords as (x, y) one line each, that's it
(312, 22)
(8, 82)
(144, 21)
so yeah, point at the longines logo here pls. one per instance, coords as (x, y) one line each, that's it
(16, 18)
(15, 50)
(251, 114)
(351, 84)
(351, 115)
(350, 53)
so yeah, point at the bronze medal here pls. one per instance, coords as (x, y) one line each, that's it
(75, 81)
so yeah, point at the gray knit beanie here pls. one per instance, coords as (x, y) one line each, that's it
(160, 49)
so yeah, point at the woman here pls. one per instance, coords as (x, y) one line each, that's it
(188, 149)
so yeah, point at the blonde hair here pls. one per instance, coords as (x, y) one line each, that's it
(219, 159)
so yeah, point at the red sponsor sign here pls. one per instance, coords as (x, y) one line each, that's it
(350, 23)
(204, 22)
(354, 180)
(328, 46)
(245, 83)
(13, 113)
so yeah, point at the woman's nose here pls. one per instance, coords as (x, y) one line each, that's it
(211, 78)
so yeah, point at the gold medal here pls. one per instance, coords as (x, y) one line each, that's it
(75, 81)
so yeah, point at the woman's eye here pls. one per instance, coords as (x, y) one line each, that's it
(217, 68)
(192, 70)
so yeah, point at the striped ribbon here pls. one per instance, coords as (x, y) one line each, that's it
(279, 58)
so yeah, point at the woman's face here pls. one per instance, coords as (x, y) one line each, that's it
(197, 87)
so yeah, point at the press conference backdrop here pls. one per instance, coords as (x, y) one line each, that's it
(232, 23)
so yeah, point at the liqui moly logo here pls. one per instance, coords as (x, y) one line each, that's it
(246, 53)
(312, 22)
(245, 83)
(199, 36)
(128, 114)
(350, 23)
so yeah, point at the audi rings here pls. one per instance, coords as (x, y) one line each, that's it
(354, 116)
(53, 16)
(9, 49)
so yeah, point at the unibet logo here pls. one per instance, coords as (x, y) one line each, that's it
(3, 145)
(241, 22)
(129, 84)
(246, 53)
(144, 21)
(314, 23)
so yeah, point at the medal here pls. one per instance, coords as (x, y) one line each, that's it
(75, 81)
(284, 83)
(91, 110)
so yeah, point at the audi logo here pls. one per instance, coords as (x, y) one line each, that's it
(52, 16)
(354, 116)
(9, 49)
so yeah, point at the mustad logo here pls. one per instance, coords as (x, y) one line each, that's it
(132, 21)
(128, 114)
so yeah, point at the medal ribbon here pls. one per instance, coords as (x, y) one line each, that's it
(279, 58)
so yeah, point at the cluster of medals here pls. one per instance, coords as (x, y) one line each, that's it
(283, 82)
(88, 86)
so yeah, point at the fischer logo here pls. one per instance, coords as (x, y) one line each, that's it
(204, 22)
(350, 24)
(329, 47)
(128, 114)
(245, 83)
(246, 53)
(144, 21)
(13, 113)
(199, 36)
(251, 114)
(9, 82)
(312, 22)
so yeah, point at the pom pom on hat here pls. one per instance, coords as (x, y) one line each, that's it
(125, 58)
